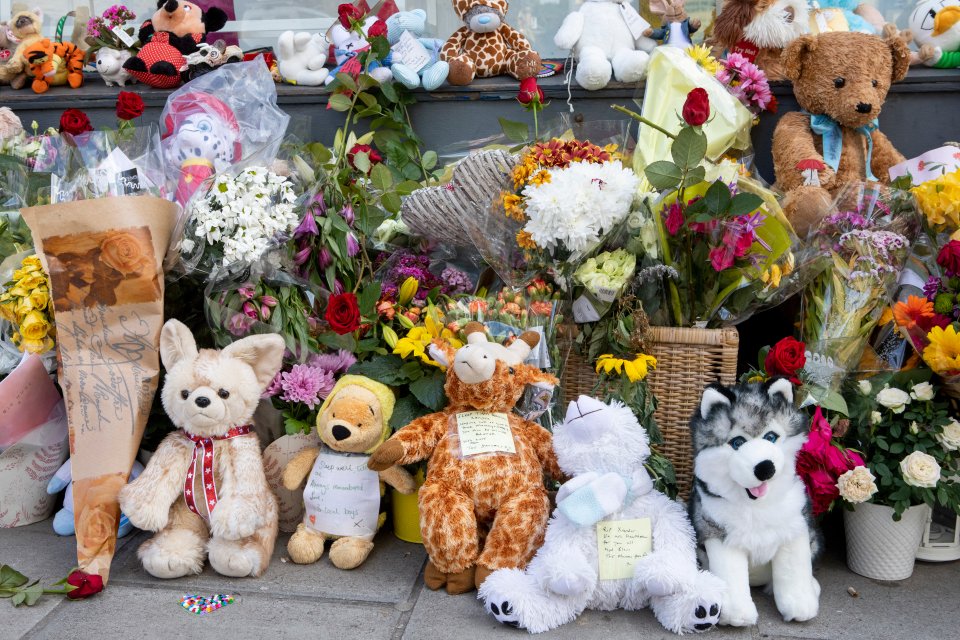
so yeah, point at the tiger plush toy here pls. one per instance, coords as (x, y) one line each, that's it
(54, 63)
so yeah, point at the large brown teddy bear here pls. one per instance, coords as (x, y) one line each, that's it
(841, 80)
(486, 45)
(479, 511)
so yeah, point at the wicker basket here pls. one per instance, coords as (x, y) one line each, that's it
(687, 361)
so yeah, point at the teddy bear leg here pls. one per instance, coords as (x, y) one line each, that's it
(350, 553)
(523, 65)
(435, 74)
(462, 71)
(40, 86)
(19, 81)
(305, 545)
(448, 526)
(805, 206)
(244, 557)
(405, 76)
(178, 549)
(695, 608)
(630, 65)
(593, 69)
(516, 534)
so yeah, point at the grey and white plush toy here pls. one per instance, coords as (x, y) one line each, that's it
(750, 510)
(603, 448)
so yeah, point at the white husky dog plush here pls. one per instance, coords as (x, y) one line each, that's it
(751, 511)
(603, 447)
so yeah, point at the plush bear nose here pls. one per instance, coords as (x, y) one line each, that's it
(340, 432)
(863, 107)
(202, 401)
(171, 6)
(764, 470)
(483, 19)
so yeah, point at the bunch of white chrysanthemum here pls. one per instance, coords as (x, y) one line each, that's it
(578, 204)
(242, 215)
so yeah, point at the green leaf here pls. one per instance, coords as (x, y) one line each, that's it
(381, 177)
(694, 176)
(346, 81)
(366, 81)
(339, 102)
(515, 131)
(361, 161)
(718, 198)
(663, 174)
(407, 187)
(406, 410)
(11, 578)
(33, 593)
(429, 160)
(391, 202)
(429, 391)
(368, 99)
(412, 369)
(18, 598)
(744, 203)
(689, 148)
(386, 369)
(367, 300)
(389, 91)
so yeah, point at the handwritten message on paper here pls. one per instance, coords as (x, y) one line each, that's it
(342, 495)
(482, 432)
(620, 544)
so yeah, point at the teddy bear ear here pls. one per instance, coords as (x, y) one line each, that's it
(264, 354)
(901, 58)
(176, 344)
(794, 55)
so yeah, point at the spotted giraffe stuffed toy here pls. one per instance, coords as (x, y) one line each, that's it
(482, 508)
(486, 45)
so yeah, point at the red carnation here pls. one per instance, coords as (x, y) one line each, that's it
(74, 122)
(129, 105)
(696, 109)
(786, 358)
(949, 257)
(85, 584)
(343, 313)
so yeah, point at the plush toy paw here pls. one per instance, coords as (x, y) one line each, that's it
(172, 554)
(350, 553)
(435, 75)
(799, 601)
(405, 76)
(504, 613)
(462, 71)
(233, 518)
(593, 69)
(630, 66)
(386, 455)
(738, 612)
(705, 616)
(305, 546)
(143, 513)
(570, 584)
(499, 592)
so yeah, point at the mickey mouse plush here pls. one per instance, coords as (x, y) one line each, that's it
(174, 32)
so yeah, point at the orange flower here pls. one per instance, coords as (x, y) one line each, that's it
(910, 313)
(525, 240)
(511, 206)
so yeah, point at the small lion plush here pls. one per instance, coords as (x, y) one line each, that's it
(343, 495)
(486, 466)
(486, 45)
(840, 80)
(603, 448)
(204, 491)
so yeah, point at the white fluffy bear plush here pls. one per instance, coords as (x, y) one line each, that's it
(603, 448)
(204, 492)
(300, 58)
(603, 44)
(110, 66)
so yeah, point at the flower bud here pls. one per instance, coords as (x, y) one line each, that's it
(389, 336)
(408, 289)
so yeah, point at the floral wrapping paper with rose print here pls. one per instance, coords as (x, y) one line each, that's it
(104, 259)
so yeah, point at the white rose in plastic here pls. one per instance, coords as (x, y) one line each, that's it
(865, 387)
(920, 470)
(876, 417)
(914, 428)
(857, 485)
(950, 436)
(894, 399)
(922, 391)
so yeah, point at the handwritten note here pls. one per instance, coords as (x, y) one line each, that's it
(342, 496)
(482, 432)
(410, 52)
(620, 544)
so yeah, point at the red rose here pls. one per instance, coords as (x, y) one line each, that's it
(377, 30)
(696, 109)
(85, 585)
(786, 358)
(129, 105)
(374, 155)
(529, 91)
(949, 257)
(74, 122)
(348, 12)
(343, 314)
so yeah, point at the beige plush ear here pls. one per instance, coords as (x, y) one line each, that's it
(176, 344)
(793, 56)
(901, 58)
(264, 354)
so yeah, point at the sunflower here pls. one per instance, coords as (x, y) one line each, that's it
(911, 313)
(943, 352)
(636, 369)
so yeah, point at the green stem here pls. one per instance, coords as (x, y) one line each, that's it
(536, 127)
(668, 259)
(637, 116)
(406, 114)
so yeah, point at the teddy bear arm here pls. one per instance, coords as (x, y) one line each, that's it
(792, 142)
(146, 501)
(516, 40)
(570, 31)
(885, 155)
(299, 467)
(399, 478)
(453, 47)
(248, 477)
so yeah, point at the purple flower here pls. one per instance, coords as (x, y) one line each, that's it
(250, 310)
(348, 215)
(335, 363)
(319, 205)
(324, 259)
(302, 256)
(337, 286)
(353, 247)
(932, 288)
(307, 226)
(455, 281)
(239, 325)
(306, 384)
(274, 387)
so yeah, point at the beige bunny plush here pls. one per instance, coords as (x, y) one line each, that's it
(204, 491)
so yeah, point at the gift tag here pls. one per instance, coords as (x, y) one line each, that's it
(482, 432)
(583, 311)
(635, 23)
(125, 37)
(620, 544)
(410, 52)
(606, 294)
(128, 182)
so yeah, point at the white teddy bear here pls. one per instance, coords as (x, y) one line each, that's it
(300, 58)
(603, 448)
(347, 46)
(603, 44)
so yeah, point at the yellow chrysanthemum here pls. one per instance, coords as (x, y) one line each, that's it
(943, 352)
(635, 370)
(511, 206)
(540, 177)
(523, 170)
(525, 240)
(939, 200)
(417, 340)
(702, 55)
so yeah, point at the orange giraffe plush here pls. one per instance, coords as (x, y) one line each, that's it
(482, 512)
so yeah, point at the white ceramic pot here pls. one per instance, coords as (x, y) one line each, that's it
(878, 547)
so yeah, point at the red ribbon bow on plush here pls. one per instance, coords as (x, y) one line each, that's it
(205, 448)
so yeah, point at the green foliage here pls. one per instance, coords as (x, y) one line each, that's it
(515, 131)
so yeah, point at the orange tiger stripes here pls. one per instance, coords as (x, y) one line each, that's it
(54, 63)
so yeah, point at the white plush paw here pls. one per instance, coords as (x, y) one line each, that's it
(499, 592)
(570, 584)
(734, 613)
(233, 518)
(799, 603)
(705, 616)
(144, 514)
(504, 613)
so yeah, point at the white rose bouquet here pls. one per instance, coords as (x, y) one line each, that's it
(909, 440)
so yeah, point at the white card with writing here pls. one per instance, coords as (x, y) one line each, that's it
(105, 176)
(583, 311)
(342, 496)
(410, 52)
(634, 21)
(620, 544)
(482, 432)
(929, 166)
(125, 37)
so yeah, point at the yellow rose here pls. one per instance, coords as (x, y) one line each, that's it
(39, 299)
(123, 252)
(34, 326)
(32, 263)
(31, 281)
(37, 346)
(857, 485)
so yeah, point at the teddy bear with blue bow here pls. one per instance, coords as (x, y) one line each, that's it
(416, 60)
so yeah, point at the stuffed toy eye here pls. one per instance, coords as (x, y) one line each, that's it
(184, 394)
(874, 83)
(771, 436)
(223, 393)
(737, 442)
(839, 83)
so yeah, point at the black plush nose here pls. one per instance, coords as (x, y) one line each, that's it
(863, 107)
(171, 6)
(23, 22)
(764, 470)
(202, 401)
(340, 432)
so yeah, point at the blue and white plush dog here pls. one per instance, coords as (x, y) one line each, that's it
(750, 510)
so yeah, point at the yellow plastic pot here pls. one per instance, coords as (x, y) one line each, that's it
(406, 513)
